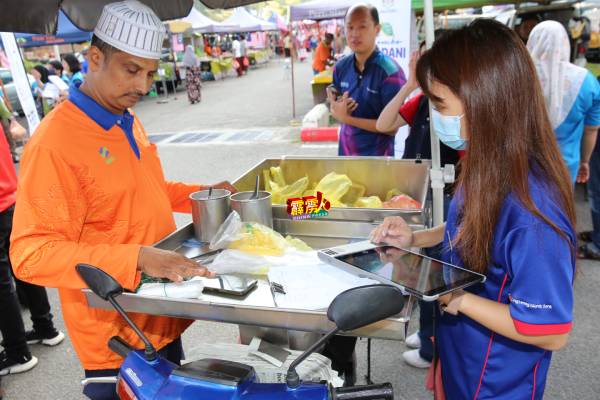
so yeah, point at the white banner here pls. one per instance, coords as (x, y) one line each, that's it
(394, 41)
(20, 79)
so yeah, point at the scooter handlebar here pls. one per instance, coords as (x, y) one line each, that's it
(120, 346)
(382, 391)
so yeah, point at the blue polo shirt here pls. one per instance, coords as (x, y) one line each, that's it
(103, 117)
(372, 89)
(532, 271)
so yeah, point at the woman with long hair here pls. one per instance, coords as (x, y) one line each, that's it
(512, 217)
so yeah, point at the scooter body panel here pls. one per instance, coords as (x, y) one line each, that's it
(156, 380)
(145, 378)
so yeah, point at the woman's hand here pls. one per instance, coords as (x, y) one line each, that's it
(412, 70)
(394, 231)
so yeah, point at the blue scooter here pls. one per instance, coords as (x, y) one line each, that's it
(144, 375)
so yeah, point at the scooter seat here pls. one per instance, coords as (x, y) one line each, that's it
(221, 372)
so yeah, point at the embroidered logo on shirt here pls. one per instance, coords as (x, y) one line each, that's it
(345, 84)
(104, 153)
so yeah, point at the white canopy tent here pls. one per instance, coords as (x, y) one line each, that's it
(203, 24)
(248, 22)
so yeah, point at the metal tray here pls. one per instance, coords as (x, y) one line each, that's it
(259, 309)
(377, 174)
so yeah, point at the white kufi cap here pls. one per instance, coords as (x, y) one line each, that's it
(132, 27)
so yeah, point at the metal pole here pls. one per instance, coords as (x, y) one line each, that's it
(56, 52)
(436, 173)
(292, 51)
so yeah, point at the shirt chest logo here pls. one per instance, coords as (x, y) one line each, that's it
(105, 154)
(345, 85)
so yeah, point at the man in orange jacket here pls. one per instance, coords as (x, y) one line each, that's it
(92, 191)
(323, 54)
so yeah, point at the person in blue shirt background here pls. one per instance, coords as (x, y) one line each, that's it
(572, 96)
(73, 69)
(590, 249)
(512, 218)
(363, 83)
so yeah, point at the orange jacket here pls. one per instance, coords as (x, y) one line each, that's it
(84, 197)
(322, 55)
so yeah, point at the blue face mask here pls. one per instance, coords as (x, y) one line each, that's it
(448, 129)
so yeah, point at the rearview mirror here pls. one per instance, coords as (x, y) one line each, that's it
(364, 305)
(102, 284)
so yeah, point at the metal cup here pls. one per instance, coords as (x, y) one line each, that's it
(253, 210)
(209, 213)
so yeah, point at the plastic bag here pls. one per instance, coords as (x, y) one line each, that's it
(334, 187)
(227, 232)
(355, 192)
(369, 202)
(249, 237)
(277, 175)
(260, 240)
(297, 244)
(236, 261)
(280, 195)
(392, 193)
(402, 201)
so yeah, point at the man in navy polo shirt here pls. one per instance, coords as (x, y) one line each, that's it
(363, 83)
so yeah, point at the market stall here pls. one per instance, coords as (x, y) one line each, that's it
(247, 22)
(319, 84)
(265, 313)
(66, 33)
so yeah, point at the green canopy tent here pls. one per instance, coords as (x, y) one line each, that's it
(442, 5)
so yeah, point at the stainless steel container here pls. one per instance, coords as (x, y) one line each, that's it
(377, 174)
(209, 213)
(253, 210)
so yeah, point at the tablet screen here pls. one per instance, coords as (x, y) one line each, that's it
(416, 273)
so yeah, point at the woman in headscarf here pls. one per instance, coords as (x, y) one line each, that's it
(572, 96)
(192, 75)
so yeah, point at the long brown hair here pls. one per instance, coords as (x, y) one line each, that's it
(488, 68)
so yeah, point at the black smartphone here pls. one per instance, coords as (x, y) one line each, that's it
(230, 285)
(331, 88)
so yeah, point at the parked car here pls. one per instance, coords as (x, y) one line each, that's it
(11, 90)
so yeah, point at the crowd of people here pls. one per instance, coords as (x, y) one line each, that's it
(519, 116)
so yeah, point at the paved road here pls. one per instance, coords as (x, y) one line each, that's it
(240, 105)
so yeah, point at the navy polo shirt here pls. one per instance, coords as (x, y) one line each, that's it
(532, 271)
(372, 89)
(103, 117)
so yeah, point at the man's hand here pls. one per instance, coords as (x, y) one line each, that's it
(394, 231)
(583, 175)
(225, 185)
(168, 264)
(341, 109)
